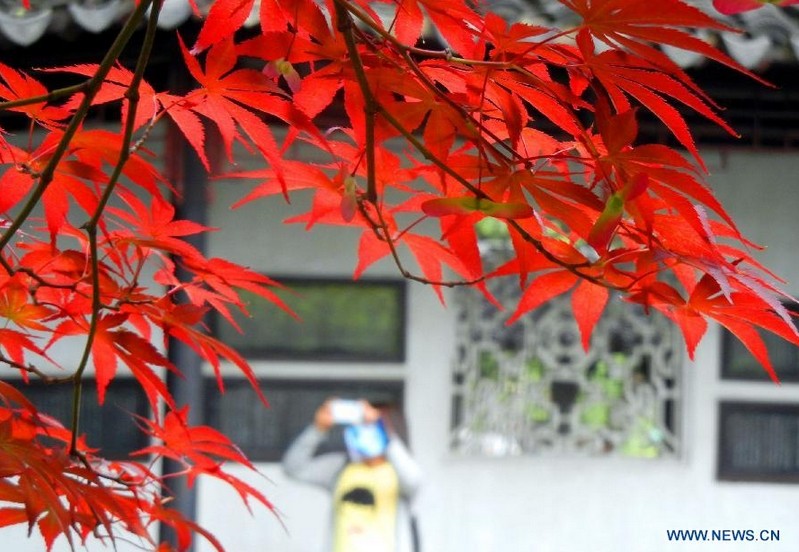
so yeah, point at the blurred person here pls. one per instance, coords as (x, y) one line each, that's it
(371, 484)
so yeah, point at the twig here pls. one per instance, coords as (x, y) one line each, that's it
(49, 97)
(383, 233)
(90, 227)
(345, 26)
(31, 369)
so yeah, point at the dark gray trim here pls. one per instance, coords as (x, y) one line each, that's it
(784, 357)
(335, 352)
(758, 442)
(111, 428)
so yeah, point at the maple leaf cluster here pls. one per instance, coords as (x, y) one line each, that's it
(532, 128)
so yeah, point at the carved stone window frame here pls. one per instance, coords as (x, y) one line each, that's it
(530, 389)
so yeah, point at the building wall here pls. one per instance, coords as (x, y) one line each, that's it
(537, 504)
(526, 504)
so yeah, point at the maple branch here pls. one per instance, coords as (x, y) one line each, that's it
(31, 369)
(372, 102)
(463, 113)
(345, 27)
(132, 94)
(34, 276)
(575, 268)
(421, 52)
(372, 108)
(90, 89)
(56, 94)
(407, 53)
(77, 377)
(497, 141)
(133, 97)
(383, 233)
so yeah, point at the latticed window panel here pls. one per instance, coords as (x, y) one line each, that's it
(530, 388)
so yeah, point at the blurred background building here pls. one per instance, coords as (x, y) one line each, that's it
(528, 444)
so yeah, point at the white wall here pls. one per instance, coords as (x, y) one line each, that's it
(540, 504)
(521, 504)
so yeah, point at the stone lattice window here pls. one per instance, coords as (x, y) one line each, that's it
(530, 388)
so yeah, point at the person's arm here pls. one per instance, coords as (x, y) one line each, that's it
(300, 463)
(408, 471)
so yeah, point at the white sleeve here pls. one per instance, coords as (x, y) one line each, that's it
(300, 463)
(408, 470)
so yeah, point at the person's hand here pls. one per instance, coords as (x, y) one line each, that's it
(323, 419)
(370, 413)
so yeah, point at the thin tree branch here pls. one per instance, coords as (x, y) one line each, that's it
(381, 230)
(45, 98)
(345, 27)
(31, 369)
(91, 227)
(421, 52)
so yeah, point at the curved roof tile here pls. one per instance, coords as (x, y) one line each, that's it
(771, 34)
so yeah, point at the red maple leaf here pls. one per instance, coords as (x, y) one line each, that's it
(15, 85)
(223, 90)
(154, 227)
(112, 343)
(731, 7)
(113, 89)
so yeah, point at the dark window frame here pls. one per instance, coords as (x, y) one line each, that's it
(787, 374)
(373, 390)
(256, 352)
(90, 407)
(727, 472)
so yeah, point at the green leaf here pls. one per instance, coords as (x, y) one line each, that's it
(445, 206)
